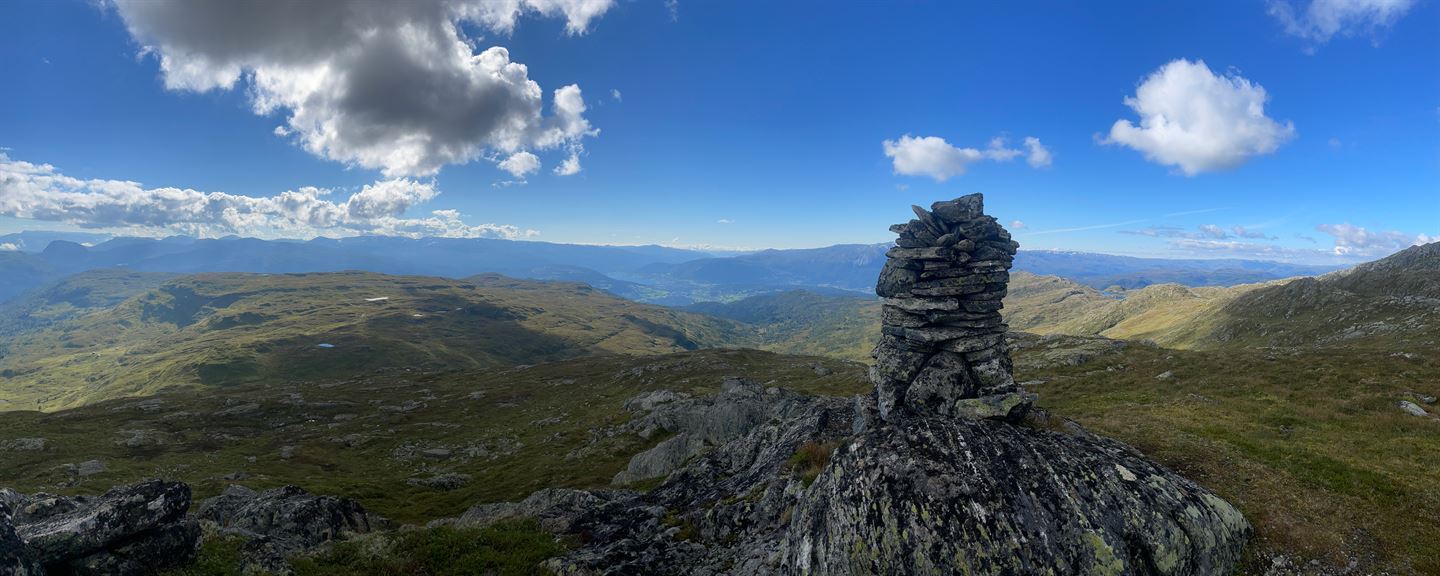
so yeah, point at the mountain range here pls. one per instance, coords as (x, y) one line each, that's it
(653, 274)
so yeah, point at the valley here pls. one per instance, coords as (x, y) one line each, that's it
(422, 396)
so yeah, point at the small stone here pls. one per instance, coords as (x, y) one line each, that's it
(982, 306)
(1009, 407)
(990, 295)
(892, 316)
(931, 253)
(895, 280)
(930, 221)
(962, 209)
(959, 290)
(983, 355)
(25, 445)
(923, 304)
(897, 361)
(994, 375)
(974, 344)
(86, 468)
(1412, 408)
(448, 481)
(943, 334)
(945, 379)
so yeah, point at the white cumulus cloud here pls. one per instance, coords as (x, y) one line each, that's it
(1351, 240)
(9, 247)
(520, 163)
(571, 165)
(1039, 155)
(41, 192)
(934, 157)
(393, 86)
(1320, 20)
(1199, 121)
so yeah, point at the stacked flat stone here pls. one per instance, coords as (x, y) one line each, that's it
(942, 349)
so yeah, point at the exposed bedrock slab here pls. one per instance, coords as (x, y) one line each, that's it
(962, 496)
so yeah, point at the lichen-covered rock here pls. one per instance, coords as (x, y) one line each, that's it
(961, 496)
(556, 509)
(15, 558)
(725, 512)
(284, 521)
(129, 530)
(698, 424)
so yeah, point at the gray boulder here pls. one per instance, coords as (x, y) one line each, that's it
(133, 529)
(15, 558)
(282, 522)
(699, 424)
(555, 508)
(1412, 408)
(1047, 503)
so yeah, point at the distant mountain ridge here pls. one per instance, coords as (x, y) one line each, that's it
(652, 274)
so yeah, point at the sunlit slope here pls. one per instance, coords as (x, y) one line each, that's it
(74, 296)
(1393, 304)
(225, 329)
(1170, 315)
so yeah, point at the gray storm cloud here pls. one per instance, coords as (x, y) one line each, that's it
(394, 86)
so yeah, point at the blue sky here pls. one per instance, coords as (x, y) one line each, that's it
(734, 124)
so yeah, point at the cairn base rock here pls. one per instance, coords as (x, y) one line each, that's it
(962, 496)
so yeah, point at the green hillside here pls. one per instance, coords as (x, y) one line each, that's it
(1390, 304)
(227, 329)
(72, 297)
(1309, 444)
(801, 322)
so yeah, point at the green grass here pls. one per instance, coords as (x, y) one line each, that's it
(1309, 444)
(810, 460)
(219, 556)
(514, 548)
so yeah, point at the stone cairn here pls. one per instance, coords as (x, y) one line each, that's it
(942, 349)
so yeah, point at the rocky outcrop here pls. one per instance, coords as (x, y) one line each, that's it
(133, 529)
(699, 424)
(945, 496)
(280, 523)
(15, 558)
(556, 509)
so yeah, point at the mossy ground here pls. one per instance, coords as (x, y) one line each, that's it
(513, 431)
(1308, 444)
